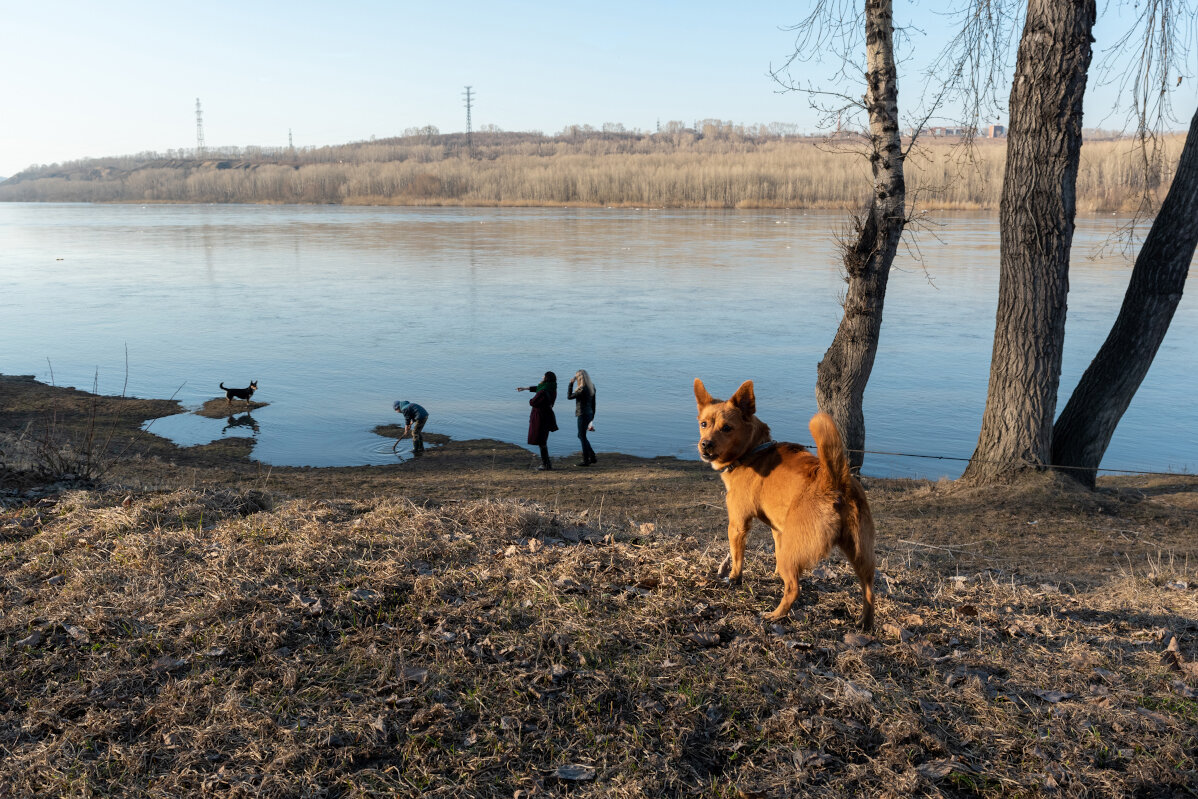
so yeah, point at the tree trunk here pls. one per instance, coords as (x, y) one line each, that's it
(1083, 432)
(1036, 220)
(845, 369)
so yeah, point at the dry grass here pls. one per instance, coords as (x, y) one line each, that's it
(234, 643)
(683, 170)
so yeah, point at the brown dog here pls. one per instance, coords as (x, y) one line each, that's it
(809, 503)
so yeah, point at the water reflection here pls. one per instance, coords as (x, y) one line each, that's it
(238, 424)
(191, 429)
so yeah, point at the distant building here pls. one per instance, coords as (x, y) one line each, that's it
(951, 131)
(943, 130)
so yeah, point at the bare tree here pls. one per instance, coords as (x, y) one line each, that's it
(868, 254)
(846, 367)
(1082, 433)
(1036, 218)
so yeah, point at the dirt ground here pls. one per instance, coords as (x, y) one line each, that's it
(185, 621)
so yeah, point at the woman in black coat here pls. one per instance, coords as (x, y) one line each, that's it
(541, 421)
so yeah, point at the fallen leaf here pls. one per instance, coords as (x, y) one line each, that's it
(312, 607)
(569, 584)
(367, 596)
(166, 663)
(412, 674)
(35, 638)
(967, 610)
(935, 769)
(895, 631)
(855, 693)
(705, 639)
(649, 583)
(923, 649)
(858, 639)
(1053, 696)
(575, 773)
(1183, 689)
(812, 758)
(78, 633)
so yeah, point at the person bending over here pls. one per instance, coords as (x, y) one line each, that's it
(414, 417)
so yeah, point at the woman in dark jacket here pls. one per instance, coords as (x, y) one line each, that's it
(541, 421)
(581, 389)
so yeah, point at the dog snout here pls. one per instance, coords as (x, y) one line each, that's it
(705, 445)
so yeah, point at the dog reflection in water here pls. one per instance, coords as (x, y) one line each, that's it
(244, 420)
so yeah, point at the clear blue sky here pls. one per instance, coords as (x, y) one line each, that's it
(85, 78)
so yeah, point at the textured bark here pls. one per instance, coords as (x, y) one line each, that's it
(1084, 429)
(845, 369)
(1036, 216)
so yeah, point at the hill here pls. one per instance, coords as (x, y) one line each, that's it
(717, 166)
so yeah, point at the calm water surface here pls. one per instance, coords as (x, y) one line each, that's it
(337, 312)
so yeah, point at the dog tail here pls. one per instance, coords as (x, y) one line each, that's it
(831, 452)
(222, 385)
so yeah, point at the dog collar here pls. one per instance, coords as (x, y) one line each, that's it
(747, 455)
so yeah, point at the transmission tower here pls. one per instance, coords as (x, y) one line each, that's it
(199, 130)
(469, 104)
(290, 143)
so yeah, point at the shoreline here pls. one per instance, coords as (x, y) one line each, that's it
(945, 520)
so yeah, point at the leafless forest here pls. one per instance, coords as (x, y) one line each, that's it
(715, 166)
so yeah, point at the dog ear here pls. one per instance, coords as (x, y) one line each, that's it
(744, 399)
(701, 396)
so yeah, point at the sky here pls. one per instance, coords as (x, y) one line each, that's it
(91, 79)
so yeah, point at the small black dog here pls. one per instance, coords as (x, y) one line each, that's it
(240, 393)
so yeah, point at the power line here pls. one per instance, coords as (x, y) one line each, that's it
(469, 95)
(199, 130)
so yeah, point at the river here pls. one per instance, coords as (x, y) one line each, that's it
(339, 311)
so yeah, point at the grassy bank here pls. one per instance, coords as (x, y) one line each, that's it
(684, 169)
(462, 626)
